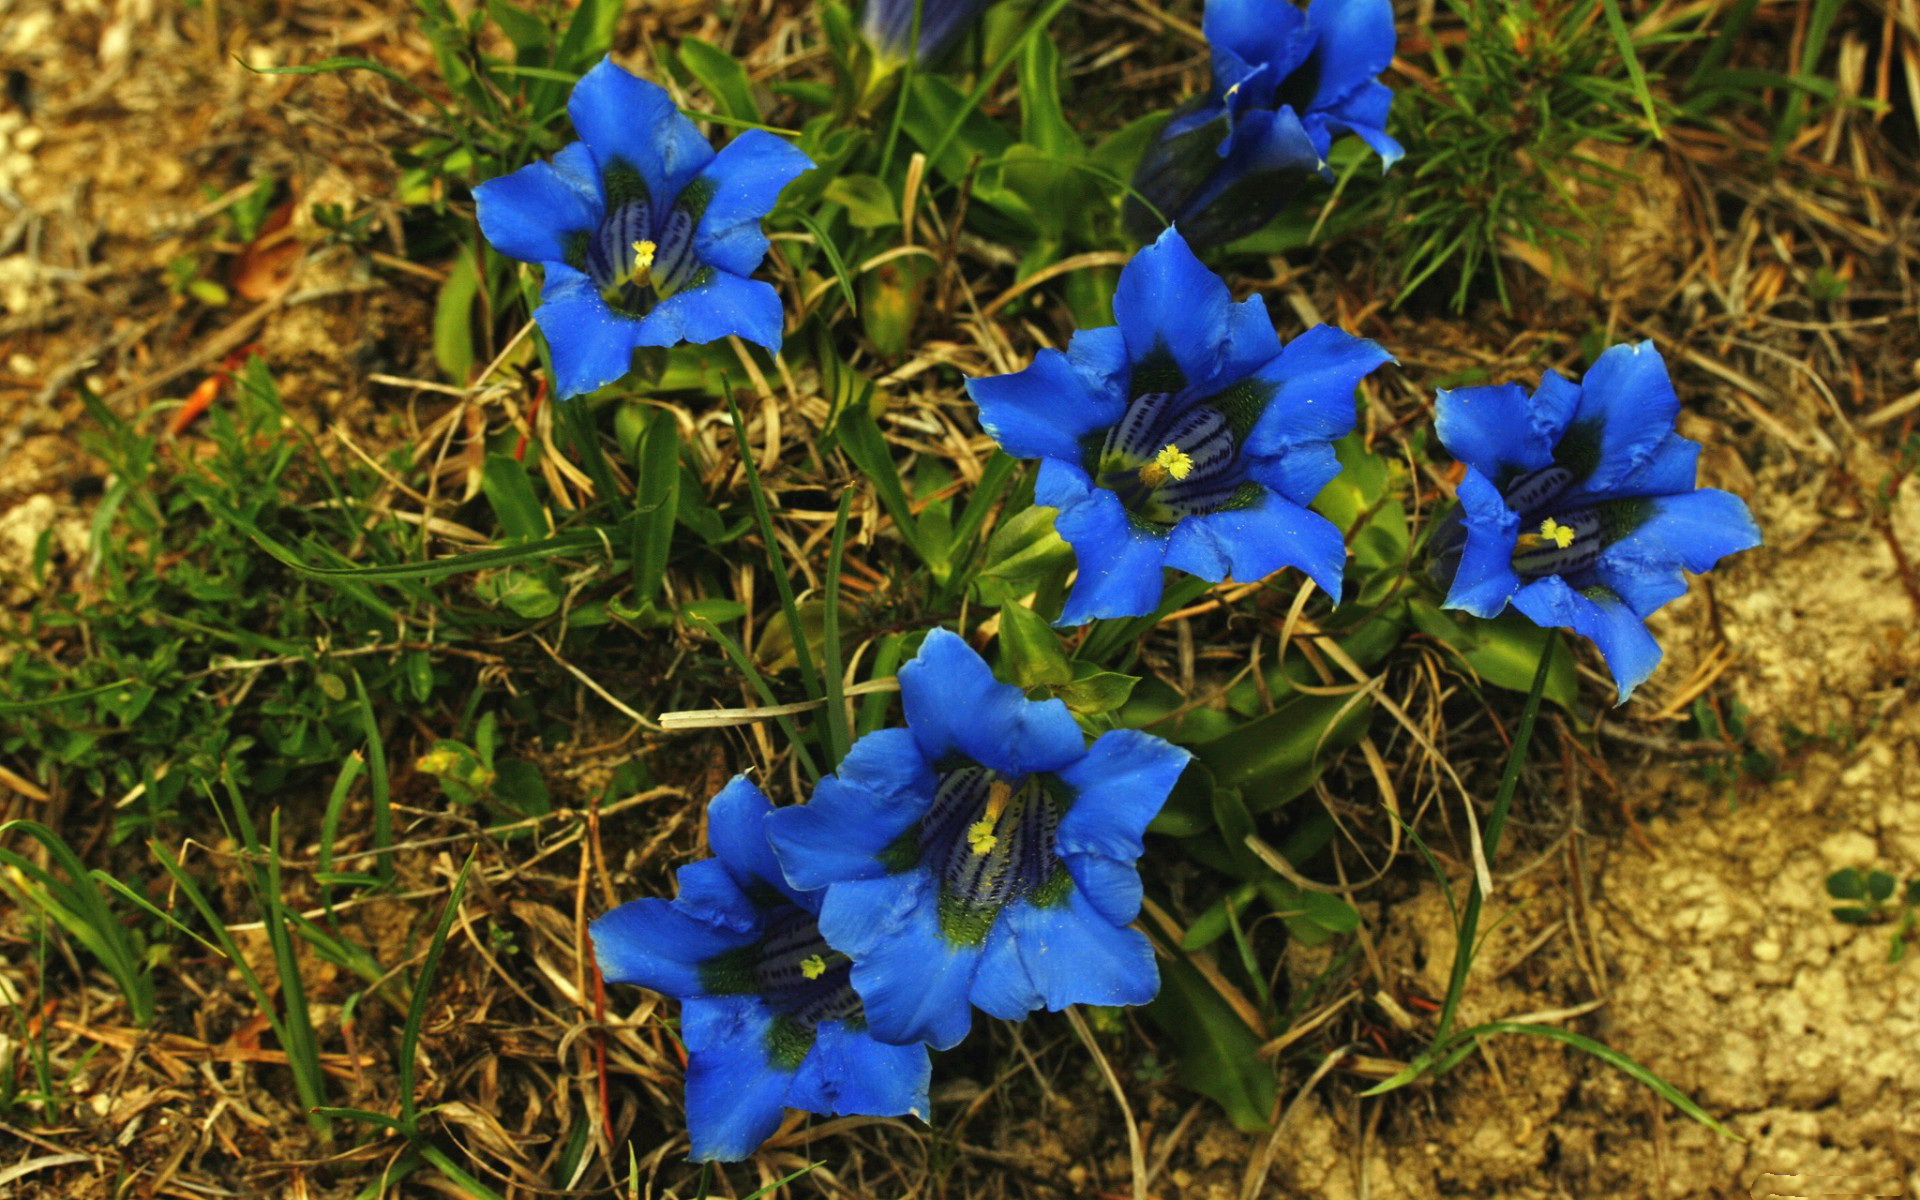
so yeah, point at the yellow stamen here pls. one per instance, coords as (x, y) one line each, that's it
(1560, 535)
(980, 835)
(813, 966)
(1171, 463)
(643, 252)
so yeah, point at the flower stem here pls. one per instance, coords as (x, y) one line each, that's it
(1496, 821)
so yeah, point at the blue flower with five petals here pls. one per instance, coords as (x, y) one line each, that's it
(1285, 84)
(647, 236)
(1578, 506)
(983, 856)
(766, 1013)
(1185, 436)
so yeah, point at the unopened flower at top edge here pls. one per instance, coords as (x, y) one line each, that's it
(647, 235)
(888, 27)
(1578, 505)
(983, 856)
(1184, 436)
(1285, 84)
(766, 1015)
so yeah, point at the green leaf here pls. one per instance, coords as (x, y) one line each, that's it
(1361, 500)
(526, 593)
(1023, 550)
(509, 491)
(1043, 122)
(519, 786)
(722, 75)
(1095, 692)
(1030, 653)
(1219, 1056)
(868, 202)
(1880, 886)
(1276, 757)
(1504, 651)
(656, 502)
(453, 318)
(860, 437)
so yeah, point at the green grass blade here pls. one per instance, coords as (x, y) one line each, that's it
(457, 1176)
(832, 252)
(837, 742)
(745, 666)
(1613, 1058)
(79, 906)
(776, 561)
(377, 781)
(1623, 38)
(417, 1007)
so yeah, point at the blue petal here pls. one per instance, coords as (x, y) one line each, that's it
(1355, 42)
(1246, 544)
(735, 1096)
(1252, 341)
(713, 893)
(1270, 144)
(1628, 396)
(724, 305)
(1074, 955)
(737, 830)
(651, 943)
(1119, 563)
(1001, 987)
(527, 215)
(1315, 378)
(1256, 33)
(1118, 788)
(747, 177)
(1599, 614)
(849, 1072)
(627, 118)
(955, 705)
(1300, 473)
(1496, 430)
(888, 26)
(1043, 411)
(1485, 579)
(912, 981)
(1167, 301)
(1672, 469)
(1694, 530)
(591, 344)
(883, 787)
(1364, 114)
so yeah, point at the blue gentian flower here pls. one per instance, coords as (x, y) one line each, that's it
(888, 27)
(1184, 436)
(646, 234)
(983, 856)
(1285, 84)
(1578, 506)
(766, 1014)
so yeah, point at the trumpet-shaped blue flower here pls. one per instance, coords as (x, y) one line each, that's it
(1185, 436)
(646, 234)
(1578, 506)
(766, 1013)
(982, 857)
(888, 27)
(1285, 84)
